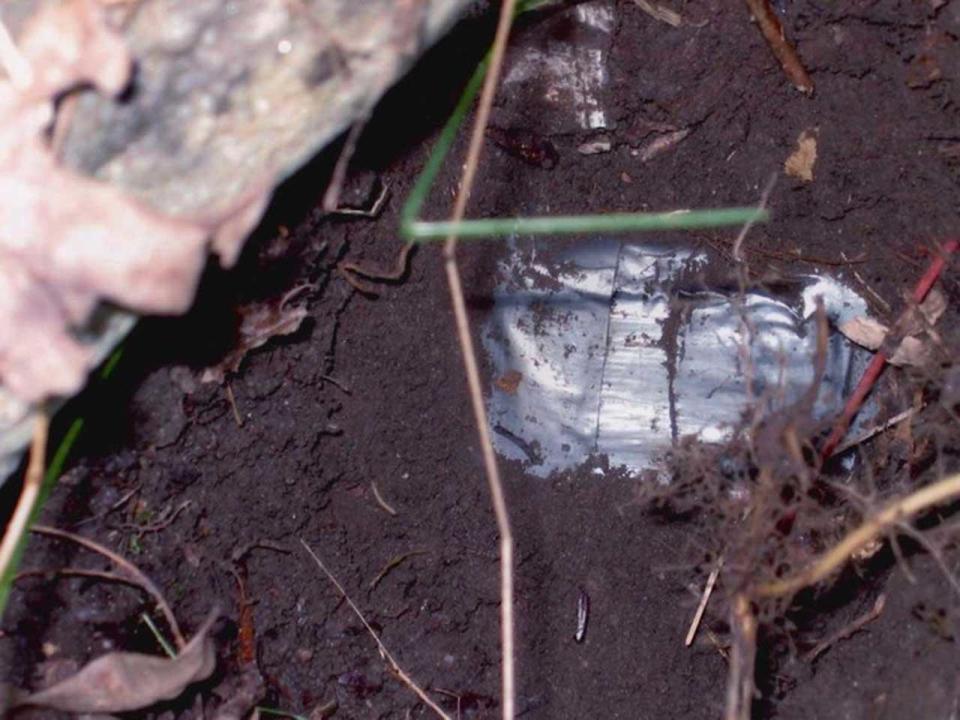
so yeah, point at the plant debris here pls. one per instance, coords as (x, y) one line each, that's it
(69, 241)
(773, 33)
(803, 158)
(124, 681)
(258, 324)
(912, 350)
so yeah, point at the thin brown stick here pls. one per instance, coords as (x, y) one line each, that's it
(167, 519)
(391, 564)
(508, 689)
(136, 575)
(384, 653)
(704, 599)
(113, 508)
(743, 655)
(762, 205)
(845, 632)
(32, 483)
(873, 527)
(331, 198)
(396, 273)
(866, 286)
(372, 212)
(80, 572)
(772, 31)
(232, 401)
(874, 431)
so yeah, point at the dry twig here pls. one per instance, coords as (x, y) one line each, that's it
(384, 653)
(508, 692)
(136, 575)
(32, 484)
(772, 31)
(391, 564)
(743, 655)
(879, 361)
(704, 599)
(872, 528)
(845, 632)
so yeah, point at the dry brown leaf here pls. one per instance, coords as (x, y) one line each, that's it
(68, 242)
(932, 309)
(865, 332)
(913, 350)
(123, 681)
(260, 322)
(803, 158)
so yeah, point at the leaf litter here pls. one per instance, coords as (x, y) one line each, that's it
(915, 330)
(125, 681)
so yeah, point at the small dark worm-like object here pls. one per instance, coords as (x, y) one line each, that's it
(583, 612)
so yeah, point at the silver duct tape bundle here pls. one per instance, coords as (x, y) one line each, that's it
(620, 349)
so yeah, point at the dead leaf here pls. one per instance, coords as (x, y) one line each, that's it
(240, 694)
(70, 242)
(933, 307)
(259, 323)
(865, 332)
(803, 158)
(123, 681)
(911, 352)
(916, 326)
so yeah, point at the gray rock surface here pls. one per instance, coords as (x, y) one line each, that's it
(227, 95)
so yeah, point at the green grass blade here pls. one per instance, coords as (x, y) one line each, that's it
(421, 189)
(158, 636)
(420, 230)
(571, 224)
(279, 713)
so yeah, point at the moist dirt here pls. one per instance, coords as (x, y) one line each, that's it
(211, 488)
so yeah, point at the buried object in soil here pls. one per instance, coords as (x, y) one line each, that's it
(620, 350)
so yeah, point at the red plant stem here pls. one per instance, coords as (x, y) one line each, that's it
(879, 360)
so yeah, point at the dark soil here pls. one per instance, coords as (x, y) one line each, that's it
(370, 391)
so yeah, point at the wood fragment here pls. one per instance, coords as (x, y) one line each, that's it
(773, 33)
(232, 400)
(704, 599)
(743, 654)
